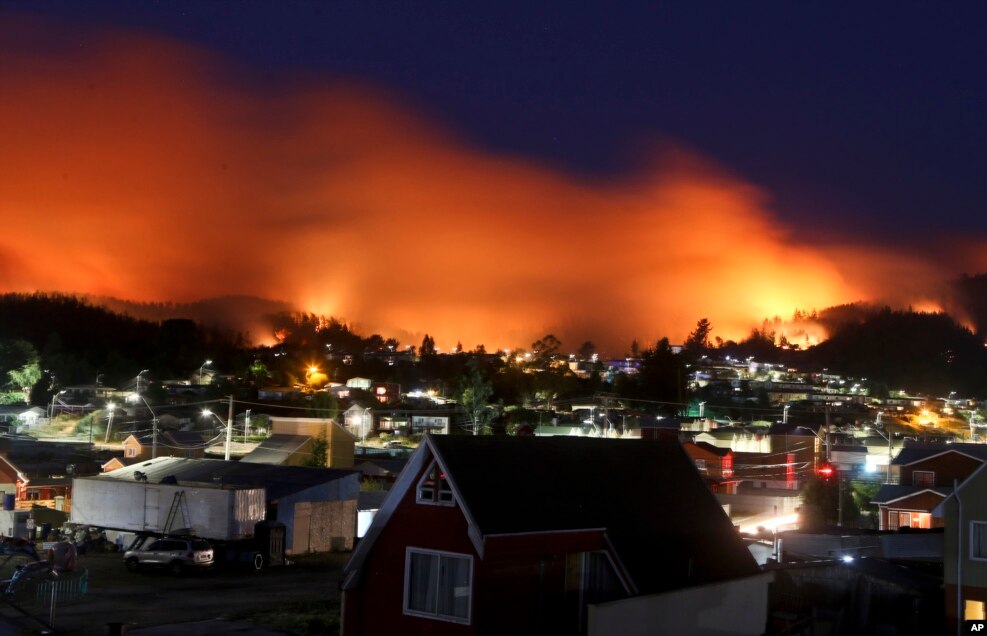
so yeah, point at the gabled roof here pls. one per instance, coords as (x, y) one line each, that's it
(913, 453)
(276, 449)
(663, 524)
(890, 493)
(709, 448)
(279, 481)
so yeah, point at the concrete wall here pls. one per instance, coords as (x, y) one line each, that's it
(735, 607)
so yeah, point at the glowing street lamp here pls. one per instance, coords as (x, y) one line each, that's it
(201, 367)
(228, 424)
(139, 380)
(111, 407)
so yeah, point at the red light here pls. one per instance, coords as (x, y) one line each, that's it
(826, 471)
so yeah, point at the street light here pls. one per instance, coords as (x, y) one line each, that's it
(111, 407)
(366, 425)
(51, 414)
(201, 367)
(139, 380)
(228, 424)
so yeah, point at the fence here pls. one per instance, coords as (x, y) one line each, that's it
(71, 586)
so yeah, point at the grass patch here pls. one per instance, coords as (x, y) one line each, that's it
(315, 618)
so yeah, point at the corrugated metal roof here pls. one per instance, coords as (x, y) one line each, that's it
(276, 449)
(279, 481)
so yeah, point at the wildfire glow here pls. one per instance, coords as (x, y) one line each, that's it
(144, 168)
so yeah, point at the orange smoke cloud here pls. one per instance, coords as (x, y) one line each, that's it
(144, 168)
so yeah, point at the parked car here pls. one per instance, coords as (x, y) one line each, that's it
(179, 554)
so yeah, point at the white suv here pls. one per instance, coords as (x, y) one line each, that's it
(178, 554)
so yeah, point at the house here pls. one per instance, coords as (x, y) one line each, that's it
(387, 392)
(277, 393)
(169, 444)
(502, 535)
(715, 464)
(13, 483)
(924, 476)
(963, 515)
(430, 424)
(293, 442)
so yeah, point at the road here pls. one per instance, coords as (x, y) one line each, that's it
(151, 598)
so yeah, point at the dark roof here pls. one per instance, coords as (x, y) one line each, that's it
(279, 481)
(379, 466)
(276, 449)
(664, 523)
(709, 448)
(849, 448)
(893, 492)
(371, 500)
(913, 452)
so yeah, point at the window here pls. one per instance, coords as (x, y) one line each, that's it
(438, 585)
(974, 611)
(433, 488)
(701, 465)
(925, 478)
(978, 540)
(131, 451)
(905, 519)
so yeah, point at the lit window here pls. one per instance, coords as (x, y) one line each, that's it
(433, 488)
(903, 519)
(438, 585)
(131, 451)
(974, 611)
(924, 478)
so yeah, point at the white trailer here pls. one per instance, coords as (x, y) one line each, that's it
(223, 513)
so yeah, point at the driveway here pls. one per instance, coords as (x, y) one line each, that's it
(153, 598)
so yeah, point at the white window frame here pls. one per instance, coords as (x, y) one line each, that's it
(444, 496)
(973, 555)
(409, 551)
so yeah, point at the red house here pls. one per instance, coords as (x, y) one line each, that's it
(508, 535)
(926, 474)
(714, 463)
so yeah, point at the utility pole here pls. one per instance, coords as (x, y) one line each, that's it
(839, 499)
(246, 425)
(109, 424)
(154, 436)
(229, 430)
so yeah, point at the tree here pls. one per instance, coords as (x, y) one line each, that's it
(474, 397)
(20, 370)
(546, 347)
(586, 350)
(697, 344)
(428, 346)
(325, 405)
(320, 452)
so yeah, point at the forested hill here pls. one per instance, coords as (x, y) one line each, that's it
(919, 351)
(77, 340)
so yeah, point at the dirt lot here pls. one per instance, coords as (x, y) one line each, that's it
(298, 598)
